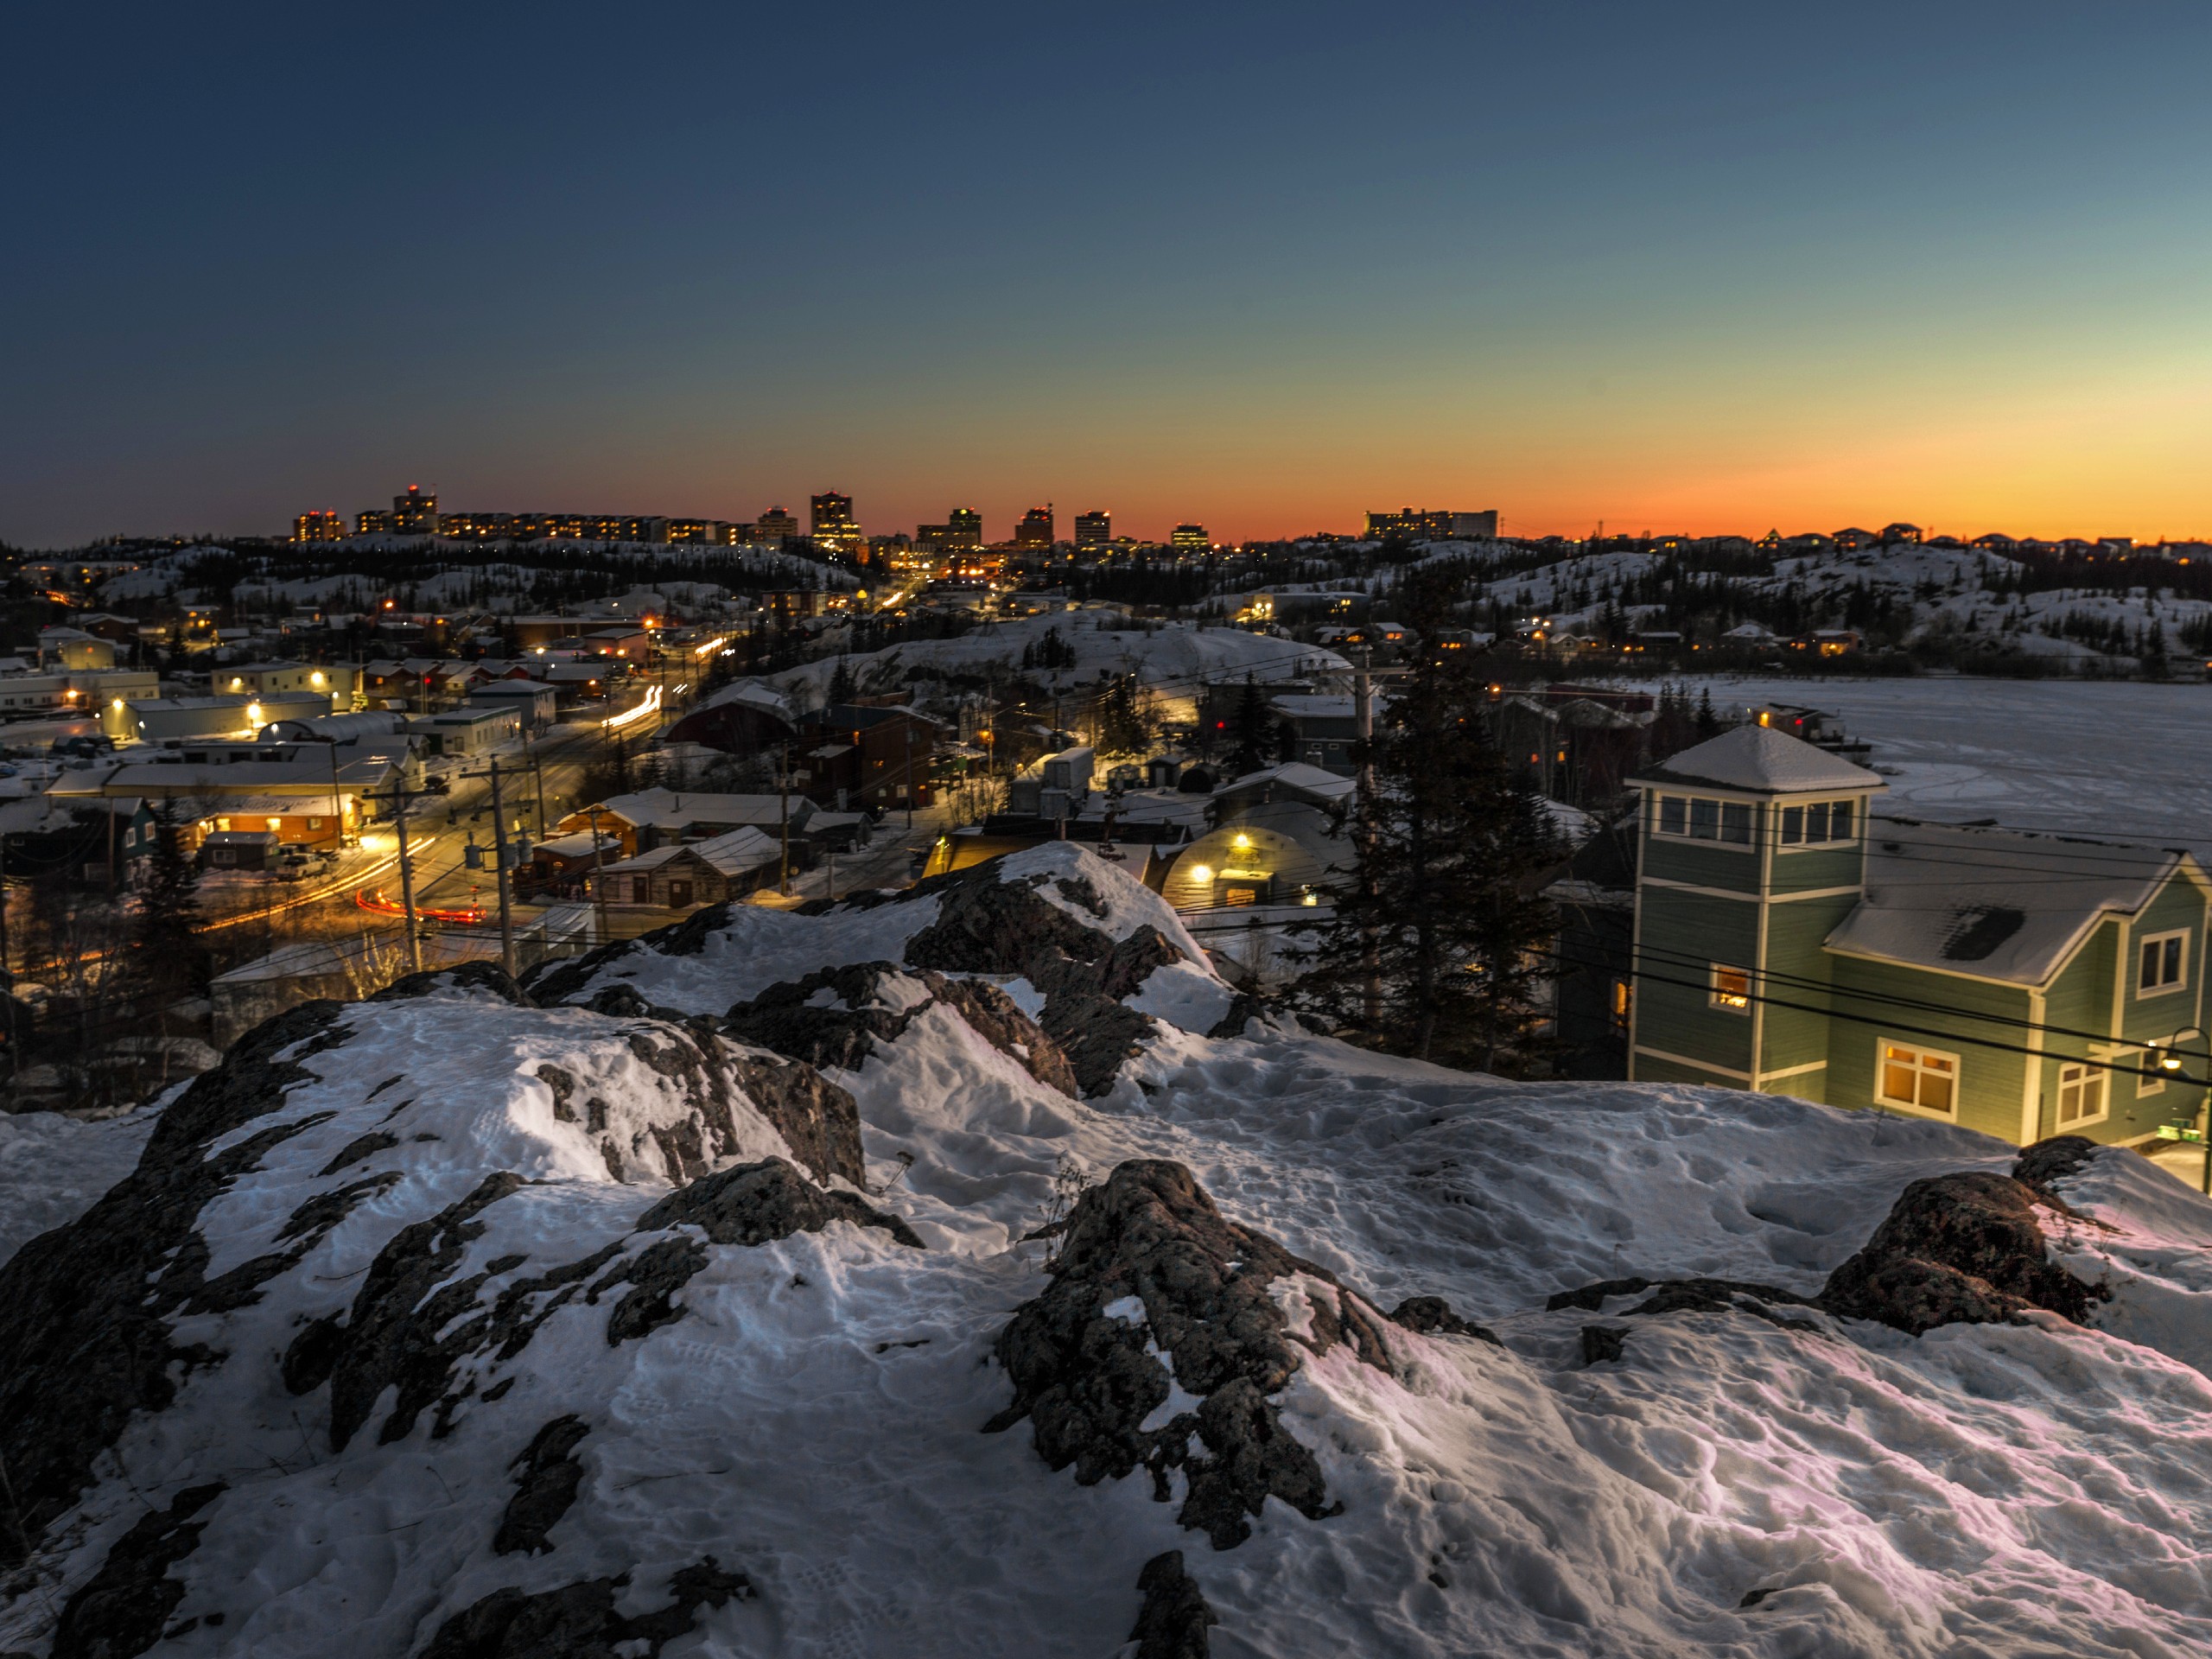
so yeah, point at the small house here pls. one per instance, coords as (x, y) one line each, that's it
(2019, 984)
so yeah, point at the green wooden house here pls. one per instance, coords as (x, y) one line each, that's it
(2020, 984)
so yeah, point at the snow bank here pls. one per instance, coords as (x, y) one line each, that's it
(773, 1427)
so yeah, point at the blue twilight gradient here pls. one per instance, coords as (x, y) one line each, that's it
(1678, 265)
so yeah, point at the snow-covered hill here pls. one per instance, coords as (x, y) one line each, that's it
(693, 1301)
(1174, 660)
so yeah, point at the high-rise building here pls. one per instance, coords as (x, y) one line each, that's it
(834, 528)
(776, 526)
(1433, 525)
(1034, 532)
(963, 527)
(414, 513)
(319, 527)
(1190, 536)
(1093, 529)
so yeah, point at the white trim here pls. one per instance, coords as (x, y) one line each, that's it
(1691, 887)
(2091, 1072)
(2132, 951)
(1810, 892)
(2031, 1073)
(2032, 986)
(1922, 1052)
(1697, 1065)
(1716, 998)
(1765, 1078)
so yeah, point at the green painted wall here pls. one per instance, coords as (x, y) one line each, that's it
(1686, 930)
(1990, 1079)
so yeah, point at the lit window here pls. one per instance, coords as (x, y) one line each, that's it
(1732, 987)
(2081, 1093)
(1623, 1003)
(2163, 964)
(1919, 1077)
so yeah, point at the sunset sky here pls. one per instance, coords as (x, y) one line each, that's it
(1670, 267)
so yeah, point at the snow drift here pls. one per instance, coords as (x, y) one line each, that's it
(737, 1291)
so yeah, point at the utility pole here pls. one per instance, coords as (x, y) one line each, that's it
(500, 867)
(784, 806)
(1370, 949)
(399, 795)
(598, 879)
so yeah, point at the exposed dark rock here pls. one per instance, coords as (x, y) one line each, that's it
(84, 1336)
(1173, 1621)
(755, 1203)
(2053, 1159)
(1964, 1247)
(784, 1017)
(124, 1607)
(547, 1477)
(326, 1210)
(578, 1621)
(1432, 1315)
(1097, 1035)
(362, 1145)
(1674, 1294)
(819, 1121)
(1243, 1008)
(391, 1335)
(655, 1274)
(487, 977)
(1602, 1343)
(564, 1090)
(998, 1018)
(985, 926)
(1087, 1381)
(623, 1001)
(752, 1204)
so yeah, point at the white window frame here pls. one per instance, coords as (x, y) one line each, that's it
(1920, 1055)
(2087, 1074)
(2169, 988)
(1721, 805)
(2150, 1080)
(1728, 1002)
(1850, 803)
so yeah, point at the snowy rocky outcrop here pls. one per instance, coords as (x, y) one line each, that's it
(966, 1272)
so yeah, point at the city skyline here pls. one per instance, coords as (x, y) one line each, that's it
(1710, 269)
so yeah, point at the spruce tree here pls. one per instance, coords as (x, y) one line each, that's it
(167, 926)
(1248, 731)
(1122, 727)
(1439, 945)
(841, 683)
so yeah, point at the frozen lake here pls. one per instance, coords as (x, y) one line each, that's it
(2121, 761)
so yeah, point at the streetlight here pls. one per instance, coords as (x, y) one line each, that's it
(2184, 1129)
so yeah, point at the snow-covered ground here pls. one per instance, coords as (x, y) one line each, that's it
(810, 1413)
(2123, 760)
(52, 1168)
(1174, 660)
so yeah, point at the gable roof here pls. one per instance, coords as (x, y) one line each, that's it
(1998, 904)
(1761, 759)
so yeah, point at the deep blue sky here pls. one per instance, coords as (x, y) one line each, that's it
(1668, 266)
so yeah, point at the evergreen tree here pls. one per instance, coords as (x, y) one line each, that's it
(1438, 946)
(841, 683)
(167, 931)
(1122, 725)
(1248, 731)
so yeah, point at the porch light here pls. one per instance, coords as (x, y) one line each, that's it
(1201, 873)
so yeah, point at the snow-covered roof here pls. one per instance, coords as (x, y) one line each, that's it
(671, 808)
(1292, 775)
(2001, 904)
(1760, 759)
(731, 854)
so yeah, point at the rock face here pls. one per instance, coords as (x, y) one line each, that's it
(1174, 1619)
(84, 1338)
(753, 1203)
(578, 1621)
(1958, 1248)
(1152, 1273)
(871, 1004)
(126, 1606)
(547, 1477)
